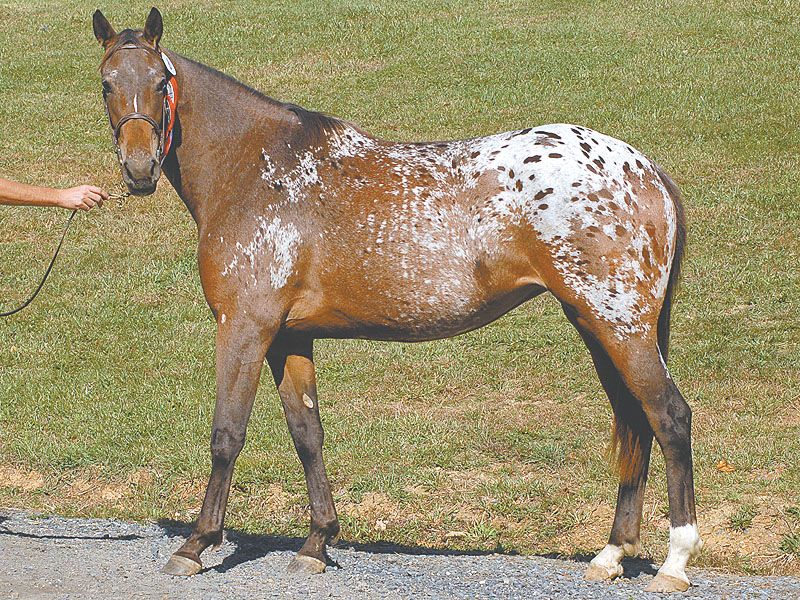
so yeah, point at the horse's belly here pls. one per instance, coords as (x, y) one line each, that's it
(434, 310)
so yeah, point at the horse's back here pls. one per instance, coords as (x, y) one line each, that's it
(413, 241)
(448, 228)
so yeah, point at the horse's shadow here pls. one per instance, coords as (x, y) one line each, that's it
(54, 536)
(250, 547)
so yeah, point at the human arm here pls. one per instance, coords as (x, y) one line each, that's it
(82, 197)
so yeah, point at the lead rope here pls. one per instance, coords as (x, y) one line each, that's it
(32, 297)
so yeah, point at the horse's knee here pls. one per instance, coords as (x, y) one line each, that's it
(226, 445)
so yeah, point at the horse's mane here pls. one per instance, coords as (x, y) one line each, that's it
(315, 124)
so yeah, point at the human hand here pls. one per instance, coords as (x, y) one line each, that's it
(83, 197)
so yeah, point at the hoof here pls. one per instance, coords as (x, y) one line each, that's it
(600, 573)
(181, 566)
(665, 584)
(305, 565)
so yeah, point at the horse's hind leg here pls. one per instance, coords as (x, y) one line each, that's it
(291, 361)
(640, 367)
(635, 439)
(241, 346)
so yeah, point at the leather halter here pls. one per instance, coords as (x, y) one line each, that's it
(162, 130)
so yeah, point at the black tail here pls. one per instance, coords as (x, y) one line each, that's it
(675, 270)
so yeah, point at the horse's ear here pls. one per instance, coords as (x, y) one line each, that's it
(103, 30)
(153, 28)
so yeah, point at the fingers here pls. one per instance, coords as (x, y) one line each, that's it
(83, 197)
(94, 197)
(98, 191)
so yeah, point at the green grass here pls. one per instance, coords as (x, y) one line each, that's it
(106, 383)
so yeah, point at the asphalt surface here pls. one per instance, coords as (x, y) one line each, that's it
(57, 558)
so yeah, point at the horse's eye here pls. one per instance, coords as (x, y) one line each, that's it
(106, 87)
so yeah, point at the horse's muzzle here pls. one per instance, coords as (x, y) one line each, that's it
(141, 174)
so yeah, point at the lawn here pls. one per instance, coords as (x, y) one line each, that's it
(495, 439)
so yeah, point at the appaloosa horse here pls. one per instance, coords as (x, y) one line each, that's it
(311, 228)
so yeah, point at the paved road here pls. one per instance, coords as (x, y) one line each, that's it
(58, 558)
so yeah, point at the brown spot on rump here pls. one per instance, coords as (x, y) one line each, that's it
(586, 146)
(511, 174)
(518, 186)
(475, 154)
(598, 163)
(543, 207)
(593, 197)
(549, 134)
(658, 249)
(576, 184)
(542, 193)
(532, 159)
(604, 193)
(646, 257)
(619, 230)
(639, 164)
(554, 155)
(523, 132)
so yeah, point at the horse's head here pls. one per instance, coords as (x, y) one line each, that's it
(136, 87)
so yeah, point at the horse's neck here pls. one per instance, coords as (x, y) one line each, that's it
(220, 123)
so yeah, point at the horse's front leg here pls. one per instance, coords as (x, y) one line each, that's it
(241, 347)
(291, 361)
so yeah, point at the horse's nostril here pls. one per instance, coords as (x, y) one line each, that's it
(153, 165)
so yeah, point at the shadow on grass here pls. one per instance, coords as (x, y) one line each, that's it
(255, 546)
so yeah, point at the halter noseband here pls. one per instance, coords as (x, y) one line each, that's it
(162, 130)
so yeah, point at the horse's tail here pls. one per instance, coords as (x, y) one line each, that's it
(675, 269)
(630, 422)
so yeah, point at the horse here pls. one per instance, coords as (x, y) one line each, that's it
(311, 228)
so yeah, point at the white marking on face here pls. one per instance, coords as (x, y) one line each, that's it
(308, 401)
(684, 544)
(223, 318)
(135, 103)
